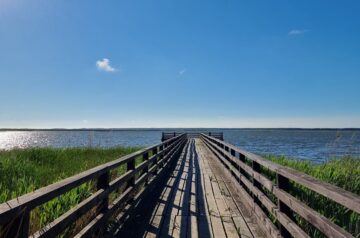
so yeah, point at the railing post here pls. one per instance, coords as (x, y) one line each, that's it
(18, 227)
(227, 149)
(154, 152)
(146, 170)
(256, 168)
(131, 166)
(232, 152)
(222, 148)
(103, 183)
(161, 156)
(284, 184)
(242, 171)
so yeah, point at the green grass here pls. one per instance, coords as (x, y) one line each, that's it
(344, 173)
(25, 170)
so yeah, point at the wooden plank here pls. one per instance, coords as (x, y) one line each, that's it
(241, 227)
(230, 228)
(192, 226)
(289, 224)
(239, 222)
(29, 201)
(319, 221)
(216, 224)
(58, 225)
(180, 228)
(339, 195)
(154, 227)
(203, 217)
(243, 206)
(99, 220)
(193, 203)
(138, 202)
(174, 200)
(192, 230)
(316, 219)
(180, 203)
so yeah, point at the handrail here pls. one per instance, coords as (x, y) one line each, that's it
(167, 135)
(251, 178)
(15, 214)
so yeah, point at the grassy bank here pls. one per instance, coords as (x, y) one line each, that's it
(25, 170)
(344, 173)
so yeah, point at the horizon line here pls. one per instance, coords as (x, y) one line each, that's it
(176, 128)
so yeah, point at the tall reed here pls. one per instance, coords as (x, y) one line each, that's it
(342, 172)
(25, 170)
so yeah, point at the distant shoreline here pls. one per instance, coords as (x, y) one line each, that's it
(170, 129)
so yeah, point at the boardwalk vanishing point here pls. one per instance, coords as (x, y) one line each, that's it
(190, 185)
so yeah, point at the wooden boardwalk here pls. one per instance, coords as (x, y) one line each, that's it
(197, 200)
(189, 185)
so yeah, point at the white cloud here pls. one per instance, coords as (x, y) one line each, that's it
(181, 72)
(104, 65)
(295, 32)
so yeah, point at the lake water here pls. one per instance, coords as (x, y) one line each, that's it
(301, 144)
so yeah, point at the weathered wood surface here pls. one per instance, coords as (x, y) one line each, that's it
(168, 135)
(193, 202)
(185, 187)
(14, 214)
(237, 163)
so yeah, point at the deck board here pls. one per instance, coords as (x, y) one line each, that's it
(197, 200)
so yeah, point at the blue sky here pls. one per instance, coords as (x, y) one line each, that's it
(179, 63)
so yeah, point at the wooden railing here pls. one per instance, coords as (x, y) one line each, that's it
(272, 202)
(15, 214)
(168, 135)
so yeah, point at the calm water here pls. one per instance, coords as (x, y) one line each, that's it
(301, 144)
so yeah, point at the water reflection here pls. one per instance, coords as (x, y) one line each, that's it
(301, 144)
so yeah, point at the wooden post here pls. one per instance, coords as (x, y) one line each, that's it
(256, 168)
(232, 152)
(146, 170)
(242, 171)
(103, 183)
(131, 166)
(154, 152)
(283, 183)
(18, 227)
(223, 148)
(161, 155)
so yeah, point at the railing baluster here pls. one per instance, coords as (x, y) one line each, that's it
(146, 169)
(161, 156)
(103, 183)
(284, 184)
(256, 167)
(18, 227)
(154, 152)
(232, 152)
(242, 171)
(131, 166)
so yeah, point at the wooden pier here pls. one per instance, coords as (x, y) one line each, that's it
(186, 186)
